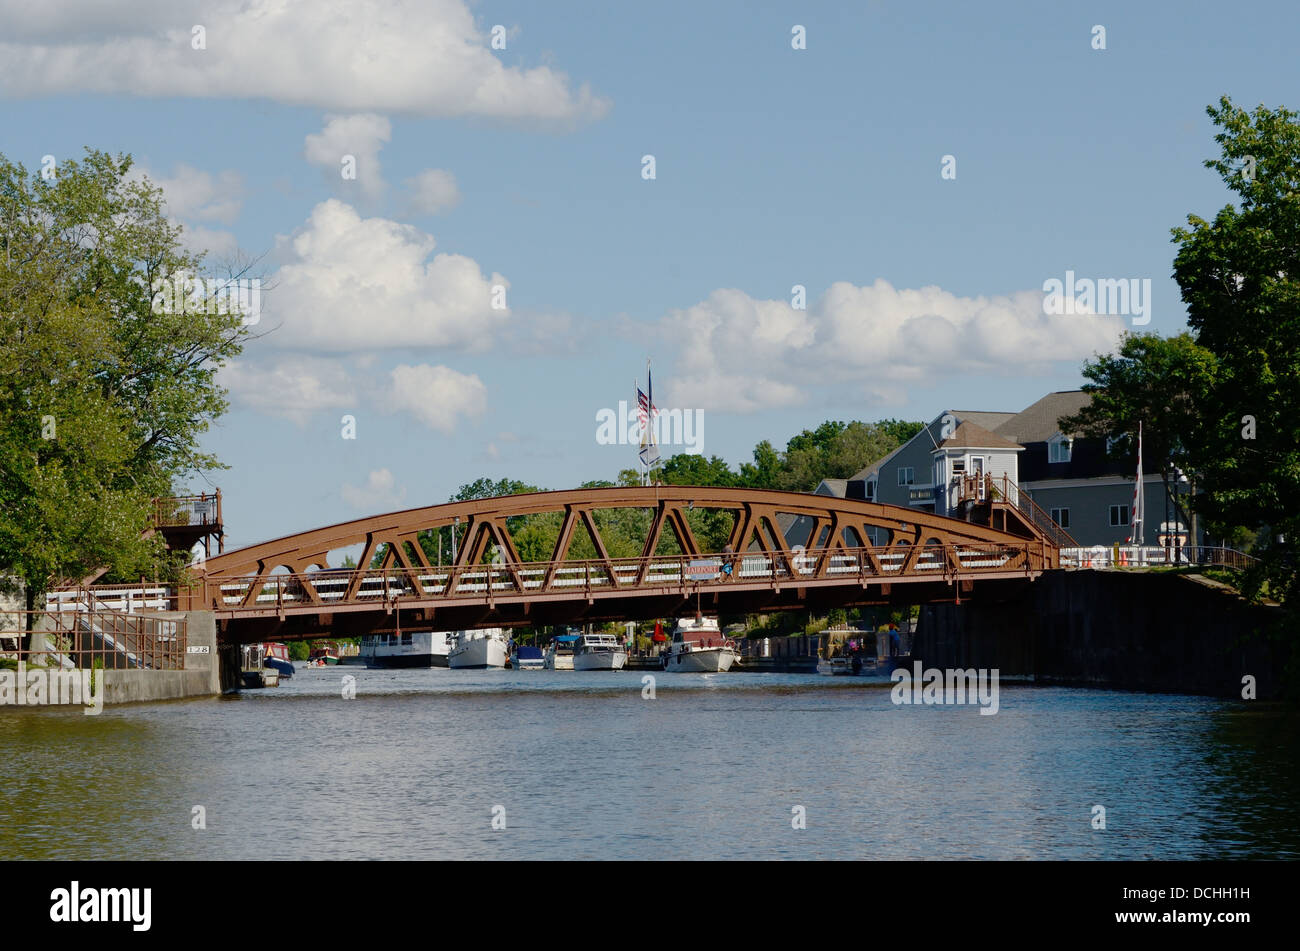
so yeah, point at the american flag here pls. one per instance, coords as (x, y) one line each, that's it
(646, 411)
(645, 408)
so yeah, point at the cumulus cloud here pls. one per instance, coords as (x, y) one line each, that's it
(196, 195)
(200, 240)
(432, 191)
(192, 195)
(437, 396)
(740, 354)
(354, 284)
(380, 493)
(359, 136)
(292, 388)
(421, 57)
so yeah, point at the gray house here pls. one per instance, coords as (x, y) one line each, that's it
(1067, 475)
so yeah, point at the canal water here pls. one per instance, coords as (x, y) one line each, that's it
(583, 765)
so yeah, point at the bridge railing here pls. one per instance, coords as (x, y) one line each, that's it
(125, 598)
(1140, 556)
(332, 586)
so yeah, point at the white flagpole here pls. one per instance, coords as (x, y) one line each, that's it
(1138, 529)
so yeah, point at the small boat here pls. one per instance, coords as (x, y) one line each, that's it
(599, 652)
(481, 649)
(844, 652)
(526, 657)
(839, 666)
(418, 649)
(699, 647)
(559, 653)
(277, 656)
(253, 672)
(324, 655)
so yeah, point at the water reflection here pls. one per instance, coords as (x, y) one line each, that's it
(712, 767)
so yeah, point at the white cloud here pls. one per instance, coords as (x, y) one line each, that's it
(739, 354)
(422, 57)
(292, 388)
(379, 494)
(197, 195)
(432, 191)
(355, 284)
(193, 195)
(436, 395)
(360, 136)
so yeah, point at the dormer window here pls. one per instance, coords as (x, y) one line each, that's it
(1059, 447)
(871, 490)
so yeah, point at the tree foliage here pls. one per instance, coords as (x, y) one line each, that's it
(1223, 401)
(103, 398)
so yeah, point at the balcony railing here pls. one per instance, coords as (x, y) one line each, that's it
(188, 510)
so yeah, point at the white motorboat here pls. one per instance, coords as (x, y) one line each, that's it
(525, 657)
(699, 647)
(419, 649)
(485, 648)
(559, 653)
(599, 652)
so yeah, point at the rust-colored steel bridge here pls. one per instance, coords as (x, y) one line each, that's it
(783, 551)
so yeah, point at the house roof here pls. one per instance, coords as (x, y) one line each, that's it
(1038, 422)
(984, 421)
(989, 421)
(835, 487)
(970, 436)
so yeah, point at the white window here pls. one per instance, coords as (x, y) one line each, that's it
(871, 490)
(958, 466)
(1061, 517)
(1058, 449)
(1118, 515)
(905, 475)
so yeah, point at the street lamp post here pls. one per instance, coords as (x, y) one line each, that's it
(1173, 524)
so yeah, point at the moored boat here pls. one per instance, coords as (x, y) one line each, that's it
(526, 657)
(406, 650)
(599, 652)
(254, 672)
(559, 653)
(277, 657)
(326, 654)
(480, 649)
(699, 647)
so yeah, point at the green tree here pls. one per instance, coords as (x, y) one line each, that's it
(103, 395)
(763, 472)
(1240, 279)
(1160, 382)
(693, 469)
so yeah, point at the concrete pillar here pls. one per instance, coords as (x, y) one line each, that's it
(200, 632)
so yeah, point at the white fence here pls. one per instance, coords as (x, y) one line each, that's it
(1143, 556)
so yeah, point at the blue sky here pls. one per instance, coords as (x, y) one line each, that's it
(523, 167)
